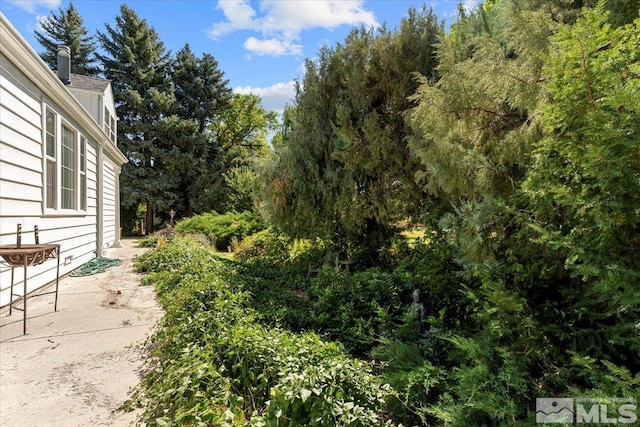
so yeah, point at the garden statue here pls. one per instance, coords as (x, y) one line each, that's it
(417, 310)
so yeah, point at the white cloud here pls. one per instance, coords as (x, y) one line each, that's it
(275, 97)
(240, 16)
(280, 22)
(273, 47)
(32, 5)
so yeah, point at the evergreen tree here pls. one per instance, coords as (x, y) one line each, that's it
(202, 95)
(67, 28)
(137, 64)
(200, 88)
(474, 128)
(584, 184)
(531, 138)
(345, 172)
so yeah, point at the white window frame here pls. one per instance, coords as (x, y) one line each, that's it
(50, 165)
(68, 167)
(82, 173)
(69, 162)
(106, 122)
(109, 124)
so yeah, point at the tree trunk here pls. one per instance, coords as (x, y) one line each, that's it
(149, 218)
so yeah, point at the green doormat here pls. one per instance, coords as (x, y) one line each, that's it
(96, 265)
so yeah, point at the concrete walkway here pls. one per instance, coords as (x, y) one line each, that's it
(76, 366)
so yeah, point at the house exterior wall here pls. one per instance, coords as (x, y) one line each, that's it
(91, 102)
(86, 221)
(21, 183)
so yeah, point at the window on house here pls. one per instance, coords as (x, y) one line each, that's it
(105, 121)
(83, 173)
(112, 135)
(50, 172)
(109, 125)
(65, 174)
(68, 168)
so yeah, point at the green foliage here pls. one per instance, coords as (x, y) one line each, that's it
(531, 138)
(474, 127)
(200, 89)
(585, 182)
(264, 244)
(343, 172)
(153, 240)
(431, 267)
(67, 28)
(352, 309)
(241, 182)
(336, 392)
(239, 136)
(135, 61)
(355, 309)
(418, 383)
(215, 365)
(201, 94)
(517, 147)
(221, 228)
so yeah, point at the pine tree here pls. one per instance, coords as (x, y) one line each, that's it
(202, 95)
(67, 28)
(137, 64)
(474, 128)
(200, 88)
(584, 184)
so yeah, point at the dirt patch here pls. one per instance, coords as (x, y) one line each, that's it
(76, 366)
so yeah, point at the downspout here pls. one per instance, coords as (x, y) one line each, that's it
(117, 243)
(100, 201)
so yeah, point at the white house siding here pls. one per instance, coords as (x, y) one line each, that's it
(91, 102)
(21, 184)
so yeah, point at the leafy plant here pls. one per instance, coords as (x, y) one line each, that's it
(215, 364)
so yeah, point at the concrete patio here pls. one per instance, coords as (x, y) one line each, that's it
(77, 366)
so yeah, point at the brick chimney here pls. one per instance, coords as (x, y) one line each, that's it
(64, 63)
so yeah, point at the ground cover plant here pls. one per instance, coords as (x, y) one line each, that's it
(216, 364)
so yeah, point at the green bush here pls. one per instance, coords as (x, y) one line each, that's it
(356, 309)
(221, 228)
(333, 392)
(418, 383)
(264, 244)
(152, 240)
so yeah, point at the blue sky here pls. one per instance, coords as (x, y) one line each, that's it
(260, 45)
